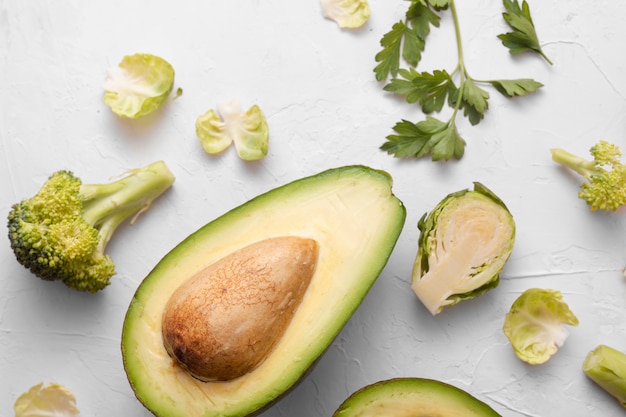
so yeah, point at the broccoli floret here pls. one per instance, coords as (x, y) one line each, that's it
(605, 188)
(61, 233)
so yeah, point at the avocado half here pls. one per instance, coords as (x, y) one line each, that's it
(413, 397)
(356, 220)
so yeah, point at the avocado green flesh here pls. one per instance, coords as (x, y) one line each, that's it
(356, 220)
(413, 397)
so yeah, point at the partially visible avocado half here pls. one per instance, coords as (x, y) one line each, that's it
(346, 220)
(413, 397)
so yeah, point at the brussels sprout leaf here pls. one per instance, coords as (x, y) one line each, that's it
(51, 400)
(249, 130)
(347, 13)
(139, 85)
(535, 324)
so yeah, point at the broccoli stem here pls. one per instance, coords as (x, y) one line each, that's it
(607, 368)
(582, 166)
(106, 206)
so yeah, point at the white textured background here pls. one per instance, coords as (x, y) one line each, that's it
(316, 85)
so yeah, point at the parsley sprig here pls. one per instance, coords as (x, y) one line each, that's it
(405, 43)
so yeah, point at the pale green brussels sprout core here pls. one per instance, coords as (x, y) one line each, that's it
(535, 324)
(249, 130)
(53, 400)
(463, 245)
(606, 367)
(139, 85)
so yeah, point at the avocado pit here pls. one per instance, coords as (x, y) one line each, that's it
(223, 322)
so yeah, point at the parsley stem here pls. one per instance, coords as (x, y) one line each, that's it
(461, 61)
(457, 31)
(545, 57)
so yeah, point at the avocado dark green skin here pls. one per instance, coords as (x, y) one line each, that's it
(421, 395)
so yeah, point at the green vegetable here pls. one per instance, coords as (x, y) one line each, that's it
(249, 130)
(61, 232)
(52, 400)
(463, 245)
(139, 85)
(405, 42)
(535, 324)
(523, 38)
(413, 397)
(605, 188)
(347, 13)
(352, 214)
(607, 368)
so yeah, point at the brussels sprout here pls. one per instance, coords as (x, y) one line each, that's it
(607, 367)
(49, 400)
(463, 245)
(535, 324)
(138, 85)
(247, 130)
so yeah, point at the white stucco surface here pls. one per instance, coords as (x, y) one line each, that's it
(316, 85)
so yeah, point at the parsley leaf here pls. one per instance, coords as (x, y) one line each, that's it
(440, 4)
(430, 90)
(519, 87)
(389, 56)
(447, 143)
(405, 40)
(405, 43)
(431, 136)
(523, 38)
(474, 101)
(410, 141)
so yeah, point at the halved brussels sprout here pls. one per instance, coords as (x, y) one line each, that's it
(535, 324)
(463, 245)
(138, 85)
